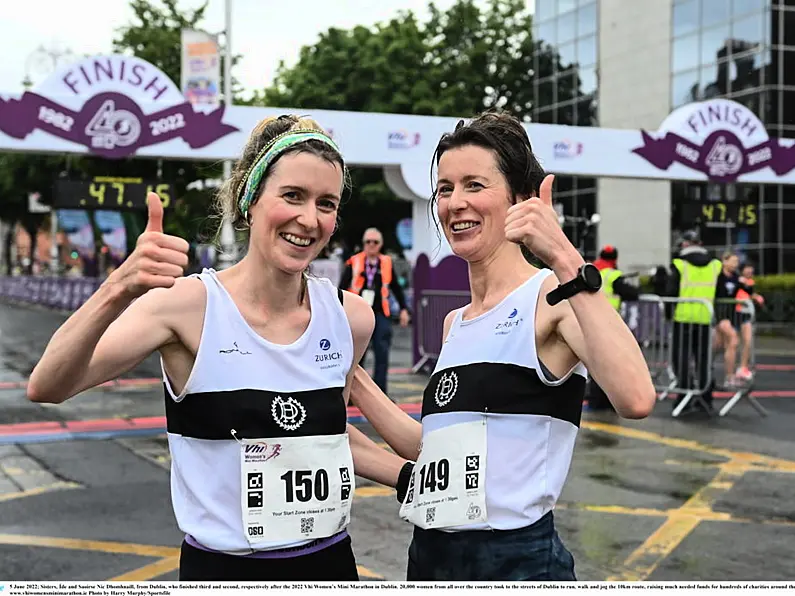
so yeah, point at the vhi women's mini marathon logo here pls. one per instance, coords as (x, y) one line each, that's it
(113, 105)
(720, 138)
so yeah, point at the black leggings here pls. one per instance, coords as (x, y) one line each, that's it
(334, 563)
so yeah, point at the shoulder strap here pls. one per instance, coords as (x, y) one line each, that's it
(339, 295)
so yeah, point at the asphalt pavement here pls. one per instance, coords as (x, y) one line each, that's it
(84, 486)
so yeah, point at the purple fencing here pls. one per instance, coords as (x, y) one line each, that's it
(53, 292)
(451, 274)
(429, 321)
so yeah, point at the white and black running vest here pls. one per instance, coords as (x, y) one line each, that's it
(489, 370)
(235, 379)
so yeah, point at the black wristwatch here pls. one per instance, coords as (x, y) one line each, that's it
(588, 279)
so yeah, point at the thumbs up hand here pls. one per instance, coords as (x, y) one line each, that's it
(534, 223)
(158, 259)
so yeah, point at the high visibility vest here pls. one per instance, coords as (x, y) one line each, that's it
(357, 263)
(696, 282)
(609, 277)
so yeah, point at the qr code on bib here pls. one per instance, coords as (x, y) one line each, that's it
(430, 515)
(307, 525)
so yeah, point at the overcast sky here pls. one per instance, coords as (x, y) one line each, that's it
(263, 31)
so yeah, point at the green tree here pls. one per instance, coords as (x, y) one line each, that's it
(460, 62)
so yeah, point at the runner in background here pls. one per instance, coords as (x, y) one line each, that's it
(257, 362)
(743, 318)
(726, 326)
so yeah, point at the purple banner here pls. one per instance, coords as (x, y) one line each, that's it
(110, 124)
(722, 157)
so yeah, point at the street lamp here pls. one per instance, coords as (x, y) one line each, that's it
(228, 245)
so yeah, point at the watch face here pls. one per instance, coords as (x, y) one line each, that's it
(592, 276)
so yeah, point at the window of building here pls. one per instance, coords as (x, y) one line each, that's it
(743, 50)
(567, 93)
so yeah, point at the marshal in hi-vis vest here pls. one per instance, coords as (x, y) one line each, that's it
(696, 282)
(357, 263)
(609, 277)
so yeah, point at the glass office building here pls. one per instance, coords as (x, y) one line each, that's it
(743, 50)
(565, 92)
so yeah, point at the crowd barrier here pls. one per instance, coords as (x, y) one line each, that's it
(680, 355)
(53, 292)
(432, 307)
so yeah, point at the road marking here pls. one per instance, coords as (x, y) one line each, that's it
(681, 522)
(150, 571)
(365, 572)
(39, 490)
(123, 548)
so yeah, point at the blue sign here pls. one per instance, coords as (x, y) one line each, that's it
(405, 233)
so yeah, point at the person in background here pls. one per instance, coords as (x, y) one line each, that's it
(727, 314)
(744, 319)
(370, 274)
(694, 275)
(617, 289)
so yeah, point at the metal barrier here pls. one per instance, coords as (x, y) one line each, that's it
(433, 306)
(680, 356)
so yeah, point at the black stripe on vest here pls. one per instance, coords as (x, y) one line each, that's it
(502, 389)
(253, 413)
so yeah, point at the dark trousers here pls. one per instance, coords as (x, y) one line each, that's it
(692, 342)
(380, 343)
(334, 563)
(533, 553)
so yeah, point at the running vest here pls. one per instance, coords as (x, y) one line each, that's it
(696, 282)
(609, 277)
(245, 389)
(497, 434)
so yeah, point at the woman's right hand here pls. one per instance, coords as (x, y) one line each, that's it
(158, 259)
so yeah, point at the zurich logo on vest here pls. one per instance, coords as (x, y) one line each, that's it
(512, 321)
(326, 356)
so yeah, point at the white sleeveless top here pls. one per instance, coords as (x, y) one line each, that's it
(235, 378)
(531, 420)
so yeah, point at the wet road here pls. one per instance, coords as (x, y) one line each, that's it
(659, 499)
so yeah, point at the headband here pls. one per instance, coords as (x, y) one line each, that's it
(267, 155)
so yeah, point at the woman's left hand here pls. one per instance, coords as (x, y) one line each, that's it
(535, 224)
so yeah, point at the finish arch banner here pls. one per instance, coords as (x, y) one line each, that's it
(118, 106)
(113, 106)
(720, 138)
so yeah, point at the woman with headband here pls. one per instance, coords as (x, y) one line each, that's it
(257, 363)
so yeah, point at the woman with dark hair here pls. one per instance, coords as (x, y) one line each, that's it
(501, 411)
(257, 364)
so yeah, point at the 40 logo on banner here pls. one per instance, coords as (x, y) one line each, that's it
(114, 106)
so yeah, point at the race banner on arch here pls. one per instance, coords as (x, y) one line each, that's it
(114, 106)
(720, 138)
